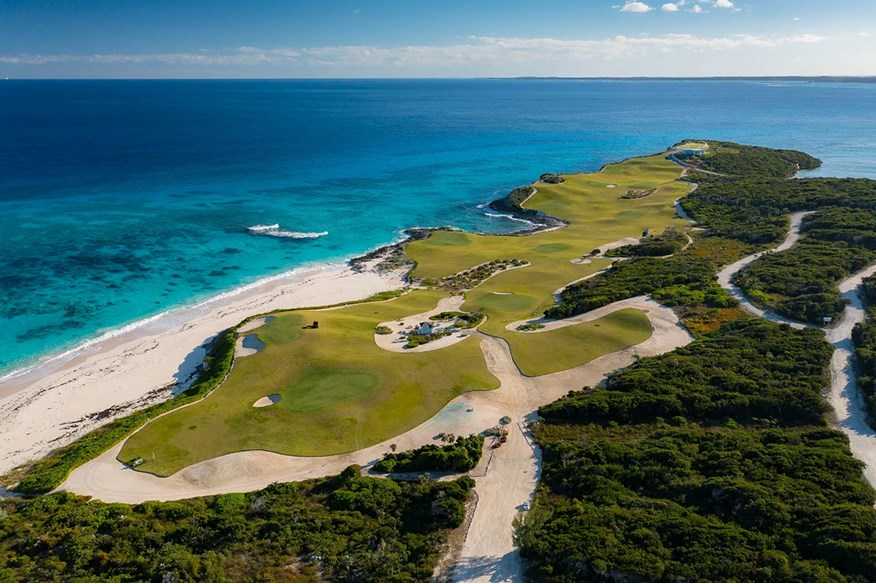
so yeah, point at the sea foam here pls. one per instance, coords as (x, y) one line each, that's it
(275, 231)
(507, 216)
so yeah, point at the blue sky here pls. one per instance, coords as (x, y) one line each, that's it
(437, 38)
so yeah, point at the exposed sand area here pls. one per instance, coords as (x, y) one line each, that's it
(396, 341)
(616, 244)
(51, 408)
(248, 345)
(845, 397)
(268, 400)
(602, 249)
(255, 323)
(679, 210)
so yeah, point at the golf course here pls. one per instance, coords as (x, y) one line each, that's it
(340, 392)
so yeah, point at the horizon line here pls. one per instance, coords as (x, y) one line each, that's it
(516, 77)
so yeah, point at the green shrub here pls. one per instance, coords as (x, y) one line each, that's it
(461, 456)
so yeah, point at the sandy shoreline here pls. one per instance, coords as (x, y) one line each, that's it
(60, 400)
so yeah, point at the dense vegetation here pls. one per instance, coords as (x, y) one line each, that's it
(755, 211)
(748, 371)
(838, 239)
(801, 282)
(344, 528)
(710, 463)
(49, 472)
(461, 456)
(732, 159)
(667, 243)
(680, 279)
(461, 319)
(864, 337)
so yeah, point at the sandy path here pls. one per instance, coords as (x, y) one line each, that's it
(679, 210)
(844, 397)
(62, 401)
(725, 276)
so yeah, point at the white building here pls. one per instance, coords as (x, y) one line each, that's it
(691, 151)
(424, 328)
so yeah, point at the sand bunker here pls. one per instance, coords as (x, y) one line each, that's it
(611, 186)
(268, 400)
(255, 323)
(248, 345)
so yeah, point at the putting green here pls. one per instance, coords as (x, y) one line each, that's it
(324, 388)
(502, 302)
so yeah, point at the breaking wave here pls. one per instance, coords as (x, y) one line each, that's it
(506, 216)
(275, 231)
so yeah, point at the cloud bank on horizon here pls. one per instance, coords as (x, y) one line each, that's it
(348, 38)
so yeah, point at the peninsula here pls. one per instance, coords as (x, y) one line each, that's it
(630, 390)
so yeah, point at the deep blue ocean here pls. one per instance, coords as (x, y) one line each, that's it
(123, 199)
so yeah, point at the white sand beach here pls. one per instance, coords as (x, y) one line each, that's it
(59, 402)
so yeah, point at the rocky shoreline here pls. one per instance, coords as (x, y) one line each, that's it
(391, 257)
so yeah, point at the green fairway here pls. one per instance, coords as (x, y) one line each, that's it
(540, 353)
(596, 213)
(340, 392)
(597, 216)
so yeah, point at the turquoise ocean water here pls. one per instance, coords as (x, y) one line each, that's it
(123, 199)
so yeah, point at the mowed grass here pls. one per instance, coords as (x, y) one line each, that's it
(597, 216)
(340, 392)
(596, 213)
(540, 353)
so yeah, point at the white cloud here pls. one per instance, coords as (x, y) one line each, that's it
(697, 9)
(634, 6)
(724, 4)
(669, 7)
(480, 50)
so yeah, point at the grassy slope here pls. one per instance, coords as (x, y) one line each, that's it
(597, 216)
(355, 394)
